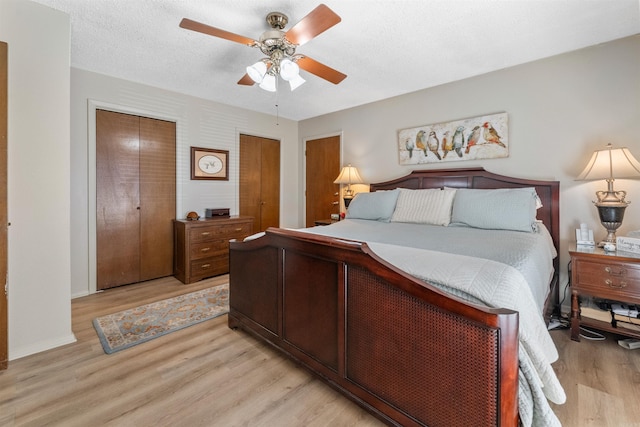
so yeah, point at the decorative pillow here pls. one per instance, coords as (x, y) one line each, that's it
(430, 206)
(377, 206)
(499, 209)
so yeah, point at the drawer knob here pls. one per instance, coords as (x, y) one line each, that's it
(620, 285)
(615, 272)
(205, 266)
(206, 233)
(205, 249)
(239, 229)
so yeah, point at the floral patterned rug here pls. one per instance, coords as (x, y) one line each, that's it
(137, 325)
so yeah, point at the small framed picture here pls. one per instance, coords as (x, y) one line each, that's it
(208, 163)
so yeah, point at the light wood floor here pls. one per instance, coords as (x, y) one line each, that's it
(209, 375)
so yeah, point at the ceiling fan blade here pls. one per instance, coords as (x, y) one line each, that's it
(216, 32)
(321, 70)
(316, 22)
(246, 80)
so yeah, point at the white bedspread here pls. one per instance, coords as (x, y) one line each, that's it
(530, 253)
(487, 282)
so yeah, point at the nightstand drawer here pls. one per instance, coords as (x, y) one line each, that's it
(605, 276)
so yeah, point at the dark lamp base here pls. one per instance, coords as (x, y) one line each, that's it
(611, 219)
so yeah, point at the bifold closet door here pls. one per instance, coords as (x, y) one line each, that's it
(135, 198)
(260, 181)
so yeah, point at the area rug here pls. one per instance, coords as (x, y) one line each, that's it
(127, 328)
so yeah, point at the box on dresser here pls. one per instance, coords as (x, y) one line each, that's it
(202, 246)
(216, 212)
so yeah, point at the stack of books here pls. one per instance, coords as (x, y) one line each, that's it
(626, 316)
(596, 310)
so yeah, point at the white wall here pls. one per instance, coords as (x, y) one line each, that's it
(38, 176)
(560, 110)
(200, 123)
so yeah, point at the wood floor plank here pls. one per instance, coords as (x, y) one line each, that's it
(209, 375)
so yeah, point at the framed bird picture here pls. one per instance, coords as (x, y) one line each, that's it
(208, 163)
(484, 137)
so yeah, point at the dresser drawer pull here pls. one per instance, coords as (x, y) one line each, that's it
(618, 286)
(619, 272)
(239, 229)
(206, 233)
(205, 249)
(204, 266)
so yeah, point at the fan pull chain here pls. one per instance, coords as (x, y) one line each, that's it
(277, 107)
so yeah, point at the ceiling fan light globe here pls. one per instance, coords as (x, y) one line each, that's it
(296, 82)
(289, 70)
(268, 83)
(257, 71)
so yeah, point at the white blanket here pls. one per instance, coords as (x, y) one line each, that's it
(497, 285)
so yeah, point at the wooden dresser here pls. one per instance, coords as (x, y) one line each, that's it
(202, 246)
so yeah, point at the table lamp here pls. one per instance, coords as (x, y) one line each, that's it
(348, 175)
(611, 163)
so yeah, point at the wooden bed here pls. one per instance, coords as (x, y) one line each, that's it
(362, 325)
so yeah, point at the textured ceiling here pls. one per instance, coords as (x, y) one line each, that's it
(386, 47)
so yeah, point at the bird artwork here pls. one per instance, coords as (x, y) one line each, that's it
(433, 143)
(474, 136)
(458, 140)
(447, 144)
(491, 135)
(408, 143)
(421, 141)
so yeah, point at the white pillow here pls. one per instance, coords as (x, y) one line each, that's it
(429, 206)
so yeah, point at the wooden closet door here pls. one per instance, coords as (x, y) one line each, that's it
(4, 323)
(322, 168)
(270, 184)
(117, 199)
(260, 181)
(157, 197)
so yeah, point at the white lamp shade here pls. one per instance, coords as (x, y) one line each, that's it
(611, 163)
(296, 82)
(269, 83)
(348, 175)
(289, 70)
(257, 71)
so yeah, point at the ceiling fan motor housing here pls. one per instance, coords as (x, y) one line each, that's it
(277, 20)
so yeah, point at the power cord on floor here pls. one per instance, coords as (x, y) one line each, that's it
(595, 336)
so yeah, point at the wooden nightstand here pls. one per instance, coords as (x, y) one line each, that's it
(608, 275)
(324, 221)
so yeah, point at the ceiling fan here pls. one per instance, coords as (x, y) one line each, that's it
(280, 48)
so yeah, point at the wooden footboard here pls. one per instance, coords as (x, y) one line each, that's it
(400, 348)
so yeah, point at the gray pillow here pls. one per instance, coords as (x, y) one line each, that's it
(377, 206)
(499, 209)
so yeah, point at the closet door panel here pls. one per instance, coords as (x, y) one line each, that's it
(250, 161)
(157, 197)
(270, 183)
(117, 199)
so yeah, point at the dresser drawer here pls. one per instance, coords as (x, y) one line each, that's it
(597, 276)
(222, 231)
(210, 266)
(209, 249)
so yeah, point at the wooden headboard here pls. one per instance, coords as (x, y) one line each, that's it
(548, 191)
